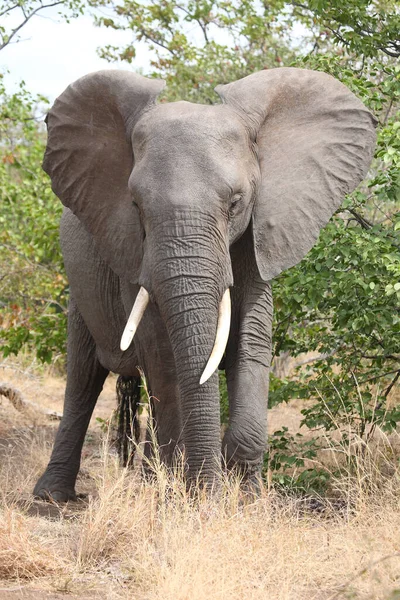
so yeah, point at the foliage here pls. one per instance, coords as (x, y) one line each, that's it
(33, 287)
(286, 461)
(198, 44)
(360, 27)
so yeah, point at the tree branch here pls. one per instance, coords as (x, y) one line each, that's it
(360, 220)
(8, 10)
(392, 48)
(375, 377)
(282, 337)
(203, 26)
(154, 41)
(392, 383)
(22, 405)
(25, 21)
(378, 356)
(307, 361)
(389, 108)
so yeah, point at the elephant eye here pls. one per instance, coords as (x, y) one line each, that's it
(135, 204)
(233, 203)
(235, 199)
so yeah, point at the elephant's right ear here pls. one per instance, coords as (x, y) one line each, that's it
(89, 159)
(315, 141)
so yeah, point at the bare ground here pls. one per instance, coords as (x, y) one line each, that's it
(150, 541)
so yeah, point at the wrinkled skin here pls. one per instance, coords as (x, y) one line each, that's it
(188, 200)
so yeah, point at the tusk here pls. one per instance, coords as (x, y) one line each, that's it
(221, 337)
(141, 302)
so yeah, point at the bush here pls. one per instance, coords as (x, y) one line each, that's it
(33, 285)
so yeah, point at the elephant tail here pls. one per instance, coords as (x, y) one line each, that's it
(128, 428)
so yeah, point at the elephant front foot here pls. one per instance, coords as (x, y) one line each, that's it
(244, 459)
(52, 489)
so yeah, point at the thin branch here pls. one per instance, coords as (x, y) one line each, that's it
(335, 32)
(283, 321)
(365, 34)
(393, 48)
(389, 108)
(395, 54)
(392, 383)
(282, 337)
(379, 405)
(203, 26)
(379, 376)
(45, 302)
(360, 220)
(301, 6)
(14, 272)
(26, 15)
(381, 356)
(387, 217)
(152, 39)
(6, 364)
(8, 10)
(25, 21)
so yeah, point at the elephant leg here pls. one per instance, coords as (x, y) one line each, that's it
(85, 379)
(247, 365)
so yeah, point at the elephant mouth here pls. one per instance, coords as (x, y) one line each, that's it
(221, 336)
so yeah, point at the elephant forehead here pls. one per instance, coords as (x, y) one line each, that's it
(188, 124)
(182, 144)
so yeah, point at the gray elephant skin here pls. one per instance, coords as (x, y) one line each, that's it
(184, 202)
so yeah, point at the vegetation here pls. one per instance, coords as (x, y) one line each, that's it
(341, 303)
(33, 286)
(149, 540)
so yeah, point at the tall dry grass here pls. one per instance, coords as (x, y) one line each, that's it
(150, 540)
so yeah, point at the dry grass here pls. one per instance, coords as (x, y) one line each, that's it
(151, 541)
(24, 553)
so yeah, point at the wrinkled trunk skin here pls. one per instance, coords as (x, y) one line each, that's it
(189, 267)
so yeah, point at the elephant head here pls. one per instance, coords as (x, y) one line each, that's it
(166, 189)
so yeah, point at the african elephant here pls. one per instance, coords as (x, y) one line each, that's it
(185, 212)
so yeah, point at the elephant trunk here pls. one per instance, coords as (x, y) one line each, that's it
(191, 272)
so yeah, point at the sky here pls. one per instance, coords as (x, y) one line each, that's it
(52, 54)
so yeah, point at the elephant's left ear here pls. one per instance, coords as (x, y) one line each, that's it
(315, 143)
(89, 158)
